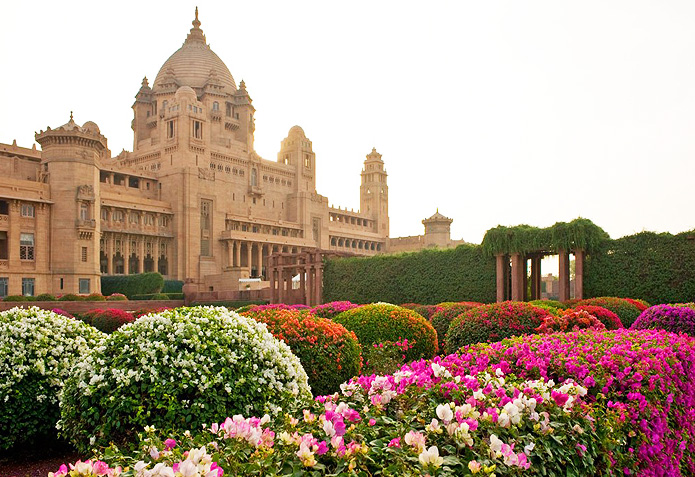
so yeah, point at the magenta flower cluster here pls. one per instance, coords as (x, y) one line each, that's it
(677, 319)
(329, 310)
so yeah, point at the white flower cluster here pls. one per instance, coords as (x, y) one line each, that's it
(197, 349)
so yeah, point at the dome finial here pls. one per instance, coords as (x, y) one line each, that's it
(70, 115)
(196, 33)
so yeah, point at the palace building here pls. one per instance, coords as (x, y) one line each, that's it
(193, 200)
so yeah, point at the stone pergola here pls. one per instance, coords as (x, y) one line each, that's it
(516, 266)
(308, 264)
(514, 247)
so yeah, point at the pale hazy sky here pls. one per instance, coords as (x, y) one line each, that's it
(494, 112)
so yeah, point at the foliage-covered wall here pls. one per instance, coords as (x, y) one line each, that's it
(659, 268)
(129, 285)
(427, 277)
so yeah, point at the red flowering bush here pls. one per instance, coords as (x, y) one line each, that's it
(570, 321)
(329, 353)
(676, 319)
(329, 310)
(643, 376)
(494, 322)
(609, 319)
(442, 319)
(380, 322)
(641, 304)
(425, 310)
(117, 297)
(626, 311)
(108, 320)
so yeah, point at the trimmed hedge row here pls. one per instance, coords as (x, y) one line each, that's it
(427, 277)
(659, 268)
(129, 285)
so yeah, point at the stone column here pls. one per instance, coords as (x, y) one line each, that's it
(281, 284)
(536, 278)
(109, 254)
(259, 258)
(319, 284)
(155, 255)
(248, 255)
(564, 275)
(237, 254)
(302, 284)
(500, 275)
(230, 253)
(518, 269)
(127, 251)
(579, 256)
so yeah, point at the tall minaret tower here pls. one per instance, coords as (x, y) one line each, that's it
(72, 155)
(374, 193)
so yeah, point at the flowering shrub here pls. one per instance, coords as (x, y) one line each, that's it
(570, 321)
(95, 297)
(626, 311)
(552, 309)
(609, 319)
(493, 322)
(380, 322)
(59, 311)
(329, 353)
(178, 369)
(425, 310)
(37, 350)
(149, 311)
(676, 319)
(442, 319)
(384, 358)
(116, 297)
(426, 419)
(640, 304)
(549, 303)
(108, 320)
(644, 376)
(329, 310)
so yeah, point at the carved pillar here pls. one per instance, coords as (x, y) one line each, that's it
(155, 255)
(237, 254)
(564, 275)
(281, 284)
(141, 255)
(128, 251)
(518, 272)
(230, 253)
(109, 254)
(579, 256)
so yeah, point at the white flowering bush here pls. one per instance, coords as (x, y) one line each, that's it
(38, 348)
(179, 369)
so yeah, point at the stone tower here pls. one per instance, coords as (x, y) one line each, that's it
(437, 230)
(71, 159)
(374, 192)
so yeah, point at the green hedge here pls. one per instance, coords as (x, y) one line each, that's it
(427, 277)
(659, 268)
(172, 286)
(129, 285)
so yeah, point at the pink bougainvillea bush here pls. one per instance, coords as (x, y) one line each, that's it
(626, 309)
(441, 320)
(425, 310)
(426, 419)
(677, 319)
(329, 310)
(493, 322)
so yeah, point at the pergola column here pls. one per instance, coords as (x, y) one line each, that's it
(281, 285)
(518, 273)
(564, 275)
(319, 284)
(501, 275)
(230, 253)
(579, 256)
(536, 278)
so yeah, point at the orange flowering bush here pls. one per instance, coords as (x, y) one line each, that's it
(609, 319)
(570, 321)
(381, 322)
(329, 353)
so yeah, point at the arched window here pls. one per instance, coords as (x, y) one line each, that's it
(215, 106)
(254, 178)
(164, 106)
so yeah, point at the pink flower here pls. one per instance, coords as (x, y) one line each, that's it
(395, 442)
(372, 422)
(169, 444)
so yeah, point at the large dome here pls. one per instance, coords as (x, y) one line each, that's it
(195, 64)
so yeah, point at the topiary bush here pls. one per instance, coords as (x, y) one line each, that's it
(95, 297)
(609, 319)
(442, 319)
(16, 298)
(38, 348)
(676, 319)
(425, 310)
(640, 304)
(380, 322)
(108, 320)
(179, 369)
(45, 297)
(329, 310)
(71, 297)
(626, 311)
(494, 322)
(549, 308)
(570, 321)
(329, 353)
